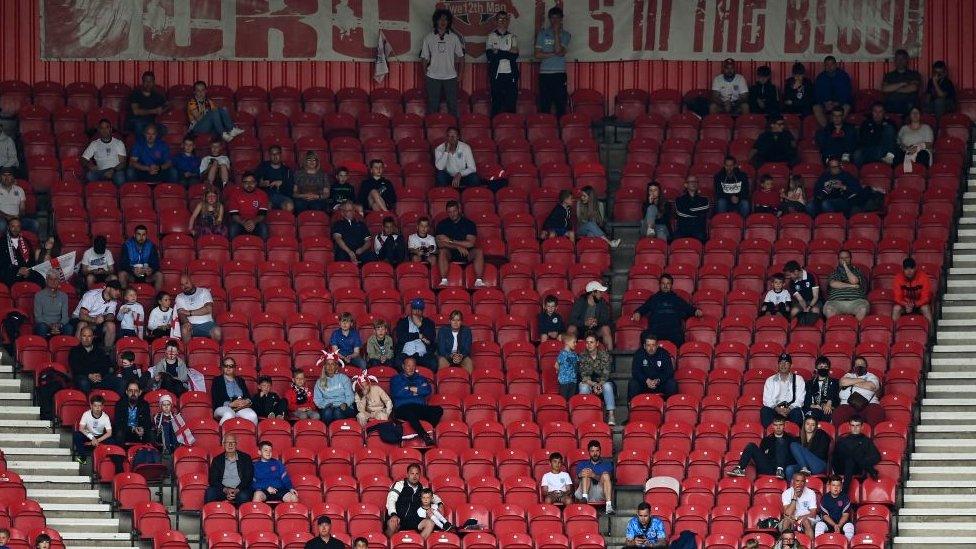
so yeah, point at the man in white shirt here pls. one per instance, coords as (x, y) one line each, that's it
(443, 55)
(799, 507)
(13, 201)
(501, 50)
(454, 162)
(195, 309)
(105, 157)
(94, 428)
(96, 310)
(97, 263)
(8, 151)
(866, 386)
(783, 394)
(730, 91)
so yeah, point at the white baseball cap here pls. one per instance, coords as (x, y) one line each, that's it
(595, 286)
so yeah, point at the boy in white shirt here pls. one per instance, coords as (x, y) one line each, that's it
(217, 163)
(778, 298)
(131, 315)
(422, 245)
(557, 485)
(97, 263)
(94, 428)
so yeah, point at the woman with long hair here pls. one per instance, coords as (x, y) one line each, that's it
(657, 213)
(590, 216)
(333, 394)
(811, 451)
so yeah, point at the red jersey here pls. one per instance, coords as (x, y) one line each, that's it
(248, 205)
(917, 291)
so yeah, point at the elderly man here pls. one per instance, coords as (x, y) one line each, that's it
(783, 394)
(90, 366)
(96, 310)
(231, 475)
(595, 476)
(51, 316)
(351, 236)
(848, 290)
(195, 309)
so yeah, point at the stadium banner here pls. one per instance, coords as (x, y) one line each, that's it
(603, 30)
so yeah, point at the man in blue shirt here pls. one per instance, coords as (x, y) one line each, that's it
(271, 481)
(645, 530)
(595, 477)
(150, 159)
(550, 48)
(832, 90)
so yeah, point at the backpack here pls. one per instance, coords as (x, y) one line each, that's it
(49, 382)
(146, 456)
(391, 432)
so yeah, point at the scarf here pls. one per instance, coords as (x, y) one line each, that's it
(22, 249)
(182, 432)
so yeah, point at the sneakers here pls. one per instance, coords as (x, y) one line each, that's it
(889, 158)
(779, 473)
(81, 459)
(585, 497)
(609, 508)
(611, 419)
(226, 136)
(615, 242)
(443, 282)
(235, 131)
(736, 472)
(479, 283)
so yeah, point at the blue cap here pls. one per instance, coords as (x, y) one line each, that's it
(417, 303)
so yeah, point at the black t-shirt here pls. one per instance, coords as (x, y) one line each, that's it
(551, 323)
(354, 233)
(317, 543)
(343, 192)
(152, 101)
(382, 185)
(266, 172)
(456, 230)
(804, 286)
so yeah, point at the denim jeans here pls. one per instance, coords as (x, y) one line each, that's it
(805, 458)
(44, 330)
(216, 122)
(590, 229)
(100, 175)
(444, 179)
(608, 398)
(723, 205)
(332, 413)
(650, 220)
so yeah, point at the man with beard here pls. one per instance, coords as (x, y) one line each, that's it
(666, 312)
(133, 421)
(195, 309)
(17, 257)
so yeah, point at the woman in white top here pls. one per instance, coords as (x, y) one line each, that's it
(915, 139)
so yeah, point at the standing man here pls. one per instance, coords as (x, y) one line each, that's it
(501, 49)
(443, 55)
(550, 48)
(145, 104)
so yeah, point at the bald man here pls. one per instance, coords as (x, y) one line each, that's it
(195, 309)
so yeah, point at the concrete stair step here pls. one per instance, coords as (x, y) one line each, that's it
(907, 542)
(15, 399)
(56, 482)
(936, 514)
(37, 454)
(948, 417)
(23, 467)
(85, 496)
(964, 434)
(959, 448)
(961, 528)
(20, 413)
(24, 425)
(96, 539)
(10, 384)
(76, 510)
(944, 471)
(30, 440)
(84, 525)
(937, 500)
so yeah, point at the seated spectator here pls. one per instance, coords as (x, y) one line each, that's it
(16, 258)
(104, 158)
(656, 222)
(215, 167)
(42, 541)
(859, 390)
(591, 218)
(803, 288)
(595, 477)
(170, 373)
(835, 510)
(145, 103)
(163, 320)
(875, 138)
(127, 371)
(901, 86)
(266, 403)
(194, 309)
(410, 391)
(271, 480)
(848, 290)
(454, 163)
(811, 451)
(230, 396)
(402, 501)
(277, 180)
(206, 117)
(343, 191)
(13, 202)
(794, 198)
(692, 212)
(351, 236)
(169, 428)
(431, 515)
(556, 484)
(372, 402)
(379, 346)
(139, 261)
(798, 92)
(301, 401)
(561, 221)
(94, 428)
(940, 92)
(776, 144)
(333, 390)
(247, 207)
(422, 245)
(567, 367)
(772, 456)
(855, 454)
(131, 315)
(324, 539)
(415, 337)
(731, 189)
(799, 507)
(48, 250)
(783, 394)
(310, 187)
(454, 344)
(915, 141)
(594, 373)
(832, 90)
(187, 163)
(208, 216)
(763, 94)
(97, 264)
(777, 300)
(347, 342)
(645, 530)
(666, 312)
(590, 314)
(652, 371)
(836, 190)
(730, 91)
(389, 245)
(836, 139)
(457, 237)
(133, 420)
(51, 316)
(8, 153)
(96, 311)
(231, 475)
(150, 160)
(549, 321)
(823, 392)
(376, 193)
(913, 292)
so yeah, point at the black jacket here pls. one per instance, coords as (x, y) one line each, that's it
(819, 445)
(392, 250)
(768, 446)
(768, 94)
(120, 423)
(268, 404)
(798, 101)
(494, 57)
(872, 133)
(245, 468)
(657, 366)
(560, 218)
(666, 311)
(83, 363)
(692, 212)
(401, 335)
(775, 147)
(9, 268)
(856, 450)
(833, 392)
(729, 185)
(577, 313)
(218, 390)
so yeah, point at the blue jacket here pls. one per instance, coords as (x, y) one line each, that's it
(338, 390)
(836, 88)
(654, 533)
(271, 474)
(445, 341)
(133, 254)
(400, 392)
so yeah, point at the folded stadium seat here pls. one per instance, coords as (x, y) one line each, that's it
(645, 148)
(717, 126)
(475, 126)
(588, 102)
(485, 489)
(900, 224)
(508, 126)
(629, 105)
(687, 251)
(762, 226)
(35, 118)
(653, 252)
(83, 96)
(789, 249)
(728, 226)
(684, 126)
(710, 150)
(823, 250)
(38, 143)
(636, 175)
(541, 126)
(678, 150)
(574, 125)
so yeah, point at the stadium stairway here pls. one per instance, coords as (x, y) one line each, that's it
(43, 460)
(938, 503)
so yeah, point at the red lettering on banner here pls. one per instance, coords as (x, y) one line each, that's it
(699, 44)
(347, 27)
(726, 26)
(796, 31)
(597, 42)
(255, 20)
(196, 40)
(912, 27)
(849, 34)
(753, 26)
(649, 27)
(639, 21)
(665, 23)
(820, 44)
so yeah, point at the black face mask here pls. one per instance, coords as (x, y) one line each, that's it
(825, 372)
(189, 292)
(860, 370)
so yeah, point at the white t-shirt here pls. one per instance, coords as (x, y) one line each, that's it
(415, 242)
(455, 346)
(93, 260)
(220, 160)
(12, 199)
(197, 299)
(106, 155)
(557, 482)
(730, 91)
(774, 297)
(807, 501)
(132, 316)
(159, 318)
(502, 42)
(94, 427)
(872, 396)
(96, 304)
(441, 53)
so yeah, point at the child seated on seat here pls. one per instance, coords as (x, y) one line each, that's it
(778, 298)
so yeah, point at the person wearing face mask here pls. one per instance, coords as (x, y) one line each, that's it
(823, 392)
(132, 423)
(859, 391)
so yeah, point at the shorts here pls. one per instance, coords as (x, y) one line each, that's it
(849, 306)
(456, 257)
(595, 493)
(128, 333)
(202, 329)
(268, 496)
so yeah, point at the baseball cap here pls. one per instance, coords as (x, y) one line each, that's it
(595, 286)
(785, 357)
(417, 303)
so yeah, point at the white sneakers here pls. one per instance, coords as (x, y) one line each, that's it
(478, 283)
(615, 242)
(230, 135)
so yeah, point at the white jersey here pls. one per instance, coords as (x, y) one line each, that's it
(199, 298)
